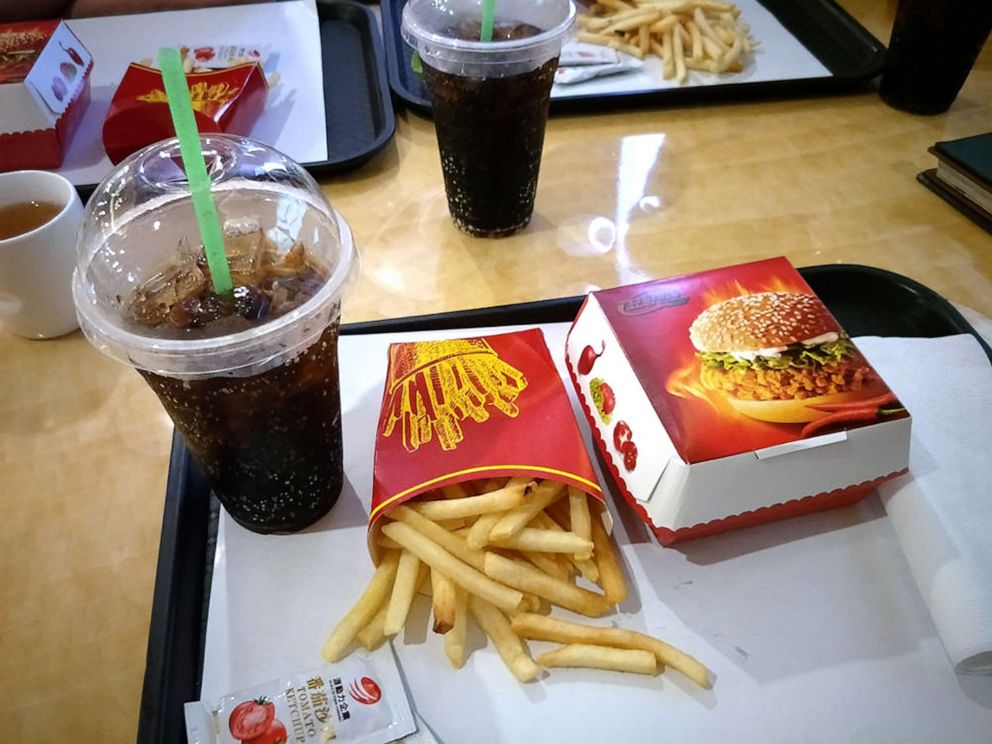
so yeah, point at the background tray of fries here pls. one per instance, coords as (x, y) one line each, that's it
(795, 620)
(799, 47)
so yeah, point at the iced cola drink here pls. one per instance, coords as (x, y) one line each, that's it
(490, 101)
(250, 379)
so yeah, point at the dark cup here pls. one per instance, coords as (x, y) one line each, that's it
(934, 45)
(490, 101)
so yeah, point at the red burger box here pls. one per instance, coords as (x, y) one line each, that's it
(44, 89)
(459, 410)
(227, 100)
(701, 439)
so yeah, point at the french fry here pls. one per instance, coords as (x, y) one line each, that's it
(364, 610)
(384, 542)
(667, 60)
(616, 4)
(443, 595)
(610, 573)
(678, 54)
(590, 24)
(541, 496)
(732, 56)
(546, 541)
(404, 588)
(697, 40)
(478, 534)
(645, 18)
(579, 520)
(539, 627)
(371, 636)
(548, 564)
(707, 30)
(445, 538)
(527, 578)
(495, 501)
(665, 24)
(600, 657)
(462, 574)
(454, 491)
(494, 484)
(511, 649)
(454, 639)
(586, 566)
(532, 603)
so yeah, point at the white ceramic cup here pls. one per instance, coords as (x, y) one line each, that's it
(36, 266)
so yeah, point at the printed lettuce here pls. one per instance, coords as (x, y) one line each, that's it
(797, 355)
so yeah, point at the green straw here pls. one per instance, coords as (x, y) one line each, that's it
(184, 121)
(488, 18)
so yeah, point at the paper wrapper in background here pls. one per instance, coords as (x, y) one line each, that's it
(229, 100)
(458, 410)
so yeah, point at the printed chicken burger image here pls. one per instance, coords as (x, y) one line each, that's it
(776, 354)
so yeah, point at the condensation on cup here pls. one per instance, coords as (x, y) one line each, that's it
(250, 381)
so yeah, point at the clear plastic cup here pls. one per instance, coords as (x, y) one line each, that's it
(490, 101)
(255, 396)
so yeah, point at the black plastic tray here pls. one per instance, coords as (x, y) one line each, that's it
(851, 54)
(358, 109)
(866, 301)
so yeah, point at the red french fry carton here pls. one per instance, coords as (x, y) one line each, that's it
(44, 89)
(457, 410)
(224, 100)
(730, 398)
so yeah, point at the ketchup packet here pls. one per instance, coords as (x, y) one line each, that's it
(358, 700)
(456, 410)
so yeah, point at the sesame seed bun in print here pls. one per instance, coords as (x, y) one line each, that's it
(773, 354)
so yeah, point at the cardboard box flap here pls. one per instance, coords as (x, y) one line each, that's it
(60, 70)
(630, 436)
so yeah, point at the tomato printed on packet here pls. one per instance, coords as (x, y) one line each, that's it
(358, 700)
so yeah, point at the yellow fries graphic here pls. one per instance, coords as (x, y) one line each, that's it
(435, 385)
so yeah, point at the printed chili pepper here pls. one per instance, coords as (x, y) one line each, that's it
(857, 415)
(877, 402)
(589, 357)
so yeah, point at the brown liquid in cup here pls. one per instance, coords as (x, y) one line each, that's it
(269, 443)
(17, 219)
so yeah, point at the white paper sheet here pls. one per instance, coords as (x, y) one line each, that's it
(293, 120)
(813, 626)
(780, 56)
(943, 514)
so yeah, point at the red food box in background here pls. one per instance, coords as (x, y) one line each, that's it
(730, 398)
(44, 89)
(224, 100)
(456, 410)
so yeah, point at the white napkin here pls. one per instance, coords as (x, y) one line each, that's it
(942, 511)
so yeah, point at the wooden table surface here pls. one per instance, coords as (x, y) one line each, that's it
(623, 197)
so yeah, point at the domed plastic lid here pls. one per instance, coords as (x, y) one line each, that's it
(140, 223)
